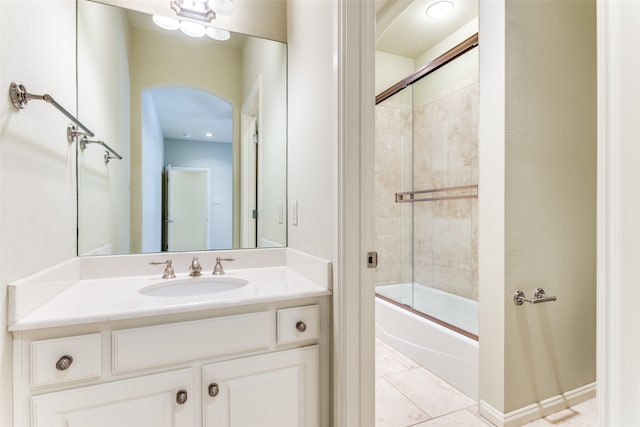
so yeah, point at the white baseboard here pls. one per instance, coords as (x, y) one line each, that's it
(537, 410)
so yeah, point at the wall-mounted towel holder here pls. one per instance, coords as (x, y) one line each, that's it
(538, 296)
(20, 98)
(109, 153)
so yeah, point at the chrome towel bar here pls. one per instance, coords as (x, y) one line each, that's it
(107, 154)
(538, 296)
(20, 98)
(410, 196)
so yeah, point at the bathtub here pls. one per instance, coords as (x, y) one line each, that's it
(451, 355)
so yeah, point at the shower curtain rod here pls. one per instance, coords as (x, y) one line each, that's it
(432, 66)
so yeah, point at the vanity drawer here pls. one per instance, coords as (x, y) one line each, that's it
(298, 324)
(65, 359)
(160, 345)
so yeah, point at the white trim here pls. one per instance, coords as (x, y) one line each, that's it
(249, 113)
(537, 410)
(354, 373)
(618, 212)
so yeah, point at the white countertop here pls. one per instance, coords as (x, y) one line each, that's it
(101, 299)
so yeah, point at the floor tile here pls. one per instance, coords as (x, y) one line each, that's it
(387, 364)
(431, 394)
(587, 412)
(461, 418)
(393, 409)
(410, 364)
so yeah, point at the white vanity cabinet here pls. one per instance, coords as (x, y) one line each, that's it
(160, 400)
(257, 368)
(277, 389)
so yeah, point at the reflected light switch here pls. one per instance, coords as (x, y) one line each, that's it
(294, 212)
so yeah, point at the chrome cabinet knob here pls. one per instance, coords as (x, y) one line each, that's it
(301, 326)
(181, 397)
(214, 390)
(64, 362)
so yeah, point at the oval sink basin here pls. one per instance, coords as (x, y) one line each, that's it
(193, 287)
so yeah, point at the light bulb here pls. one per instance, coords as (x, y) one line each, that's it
(192, 29)
(166, 23)
(218, 34)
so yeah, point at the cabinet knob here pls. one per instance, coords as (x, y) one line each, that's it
(64, 362)
(214, 389)
(181, 397)
(301, 326)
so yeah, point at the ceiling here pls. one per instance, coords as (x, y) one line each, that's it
(186, 111)
(403, 28)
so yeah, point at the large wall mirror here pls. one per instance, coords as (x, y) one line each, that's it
(201, 126)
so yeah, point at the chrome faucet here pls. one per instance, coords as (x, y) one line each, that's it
(168, 270)
(195, 269)
(218, 270)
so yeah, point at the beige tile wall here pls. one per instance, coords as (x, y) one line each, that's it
(445, 154)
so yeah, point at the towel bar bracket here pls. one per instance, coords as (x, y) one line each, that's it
(539, 296)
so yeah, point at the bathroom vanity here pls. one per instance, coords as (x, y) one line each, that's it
(90, 349)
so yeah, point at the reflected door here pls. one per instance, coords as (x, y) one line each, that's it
(187, 209)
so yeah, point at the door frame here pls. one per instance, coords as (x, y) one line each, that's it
(250, 167)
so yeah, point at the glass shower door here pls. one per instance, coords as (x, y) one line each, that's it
(394, 221)
(426, 147)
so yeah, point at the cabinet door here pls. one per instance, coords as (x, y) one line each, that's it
(272, 390)
(138, 402)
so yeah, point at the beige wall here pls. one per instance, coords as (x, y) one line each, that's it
(549, 203)
(103, 102)
(37, 164)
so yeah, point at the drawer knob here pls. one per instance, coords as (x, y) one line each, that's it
(214, 390)
(64, 363)
(181, 397)
(301, 326)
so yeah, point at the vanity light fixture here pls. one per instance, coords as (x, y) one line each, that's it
(194, 9)
(192, 29)
(439, 9)
(218, 34)
(166, 23)
(199, 10)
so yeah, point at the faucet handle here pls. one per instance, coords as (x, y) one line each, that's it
(168, 270)
(218, 270)
(195, 268)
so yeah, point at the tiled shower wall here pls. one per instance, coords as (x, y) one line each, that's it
(442, 153)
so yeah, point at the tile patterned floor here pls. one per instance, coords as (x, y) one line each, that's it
(408, 395)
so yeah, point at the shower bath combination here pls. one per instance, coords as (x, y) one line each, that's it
(427, 216)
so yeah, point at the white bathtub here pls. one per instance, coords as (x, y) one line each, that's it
(450, 355)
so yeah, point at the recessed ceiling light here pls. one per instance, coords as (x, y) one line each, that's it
(208, 134)
(186, 135)
(439, 9)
